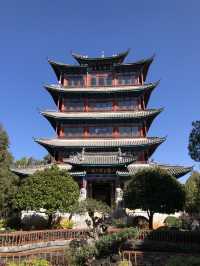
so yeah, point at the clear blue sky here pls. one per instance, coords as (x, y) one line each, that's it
(32, 31)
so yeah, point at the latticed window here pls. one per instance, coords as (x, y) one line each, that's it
(128, 103)
(129, 131)
(100, 105)
(126, 79)
(104, 80)
(75, 81)
(100, 131)
(74, 104)
(73, 131)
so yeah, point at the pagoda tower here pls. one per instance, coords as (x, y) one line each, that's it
(102, 123)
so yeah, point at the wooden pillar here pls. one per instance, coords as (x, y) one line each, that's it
(115, 132)
(85, 132)
(114, 104)
(83, 189)
(86, 106)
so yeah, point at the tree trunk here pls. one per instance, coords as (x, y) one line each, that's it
(150, 214)
(50, 220)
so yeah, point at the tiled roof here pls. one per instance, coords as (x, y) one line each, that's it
(112, 89)
(30, 170)
(138, 114)
(100, 143)
(116, 62)
(176, 171)
(100, 160)
(85, 60)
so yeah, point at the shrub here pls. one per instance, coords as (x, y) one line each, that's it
(124, 263)
(111, 243)
(183, 261)
(81, 255)
(2, 224)
(172, 221)
(80, 252)
(119, 223)
(66, 224)
(32, 262)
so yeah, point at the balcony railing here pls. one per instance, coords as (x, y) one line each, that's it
(84, 85)
(24, 237)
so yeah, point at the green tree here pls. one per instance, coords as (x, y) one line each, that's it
(194, 141)
(154, 190)
(192, 188)
(8, 181)
(52, 190)
(31, 161)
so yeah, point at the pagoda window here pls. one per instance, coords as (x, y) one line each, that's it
(129, 131)
(100, 131)
(128, 103)
(102, 80)
(100, 105)
(126, 79)
(74, 104)
(75, 81)
(93, 81)
(73, 131)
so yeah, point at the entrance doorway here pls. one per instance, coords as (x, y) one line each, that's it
(102, 191)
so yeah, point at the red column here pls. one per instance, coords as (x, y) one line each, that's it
(114, 105)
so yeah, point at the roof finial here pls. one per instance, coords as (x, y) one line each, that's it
(102, 54)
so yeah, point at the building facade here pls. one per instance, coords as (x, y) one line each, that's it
(101, 123)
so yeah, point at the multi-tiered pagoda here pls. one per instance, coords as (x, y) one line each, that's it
(101, 123)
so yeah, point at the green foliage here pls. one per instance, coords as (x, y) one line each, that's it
(8, 181)
(3, 224)
(31, 161)
(91, 206)
(5, 156)
(192, 188)
(31, 262)
(119, 223)
(111, 243)
(84, 254)
(107, 245)
(80, 254)
(154, 190)
(183, 261)
(124, 263)
(65, 223)
(51, 189)
(194, 141)
(172, 221)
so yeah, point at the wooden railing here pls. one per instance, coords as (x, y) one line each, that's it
(20, 238)
(56, 256)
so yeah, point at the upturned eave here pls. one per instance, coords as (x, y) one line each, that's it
(135, 90)
(174, 170)
(115, 59)
(124, 116)
(137, 144)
